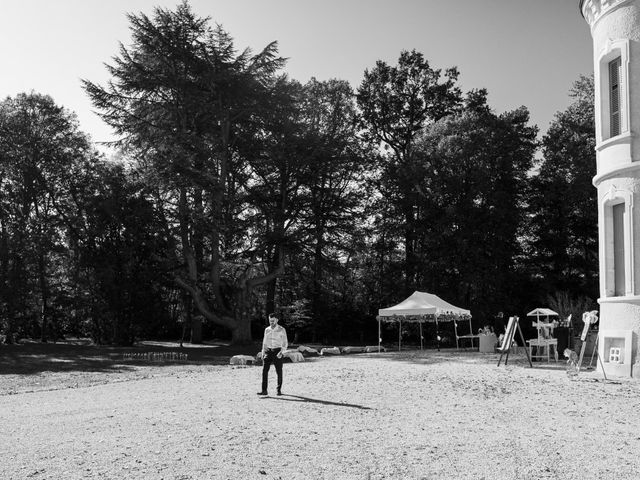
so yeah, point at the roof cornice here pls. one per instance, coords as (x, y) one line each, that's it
(594, 10)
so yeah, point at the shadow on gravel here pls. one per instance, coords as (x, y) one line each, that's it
(80, 355)
(298, 398)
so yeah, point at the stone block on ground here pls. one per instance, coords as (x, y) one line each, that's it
(353, 349)
(330, 351)
(294, 356)
(308, 351)
(374, 349)
(242, 360)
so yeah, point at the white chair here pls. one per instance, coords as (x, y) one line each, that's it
(544, 342)
(469, 336)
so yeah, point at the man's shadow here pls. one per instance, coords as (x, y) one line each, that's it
(298, 398)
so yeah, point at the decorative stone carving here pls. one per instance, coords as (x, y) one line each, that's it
(592, 10)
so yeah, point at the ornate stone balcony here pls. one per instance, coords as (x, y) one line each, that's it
(593, 10)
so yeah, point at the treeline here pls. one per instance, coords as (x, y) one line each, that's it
(240, 191)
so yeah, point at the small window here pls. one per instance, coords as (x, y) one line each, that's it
(615, 75)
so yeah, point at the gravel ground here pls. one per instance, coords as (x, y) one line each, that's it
(402, 415)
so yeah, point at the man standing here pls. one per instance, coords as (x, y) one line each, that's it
(274, 344)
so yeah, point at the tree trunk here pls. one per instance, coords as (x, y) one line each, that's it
(5, 282)
(196, 329)
(317, 307)
(241, 333)
(186, 321)
(409, 235)
(44, 292)
(270, 303)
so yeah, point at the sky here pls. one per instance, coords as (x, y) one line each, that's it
(524, 52)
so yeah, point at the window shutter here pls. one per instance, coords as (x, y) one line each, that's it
(615, 67)
(618, 249)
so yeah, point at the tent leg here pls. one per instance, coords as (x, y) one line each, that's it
(420, 335)
(400, 336)
(438, 333)
(471, 333)
(455, 331)
(379, 337)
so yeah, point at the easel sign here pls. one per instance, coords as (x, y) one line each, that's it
(589, 318)
(507, 341)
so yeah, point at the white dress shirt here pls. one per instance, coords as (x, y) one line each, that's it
(275, 338)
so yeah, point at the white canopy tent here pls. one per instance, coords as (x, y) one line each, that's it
(542, 312)
(421, 307)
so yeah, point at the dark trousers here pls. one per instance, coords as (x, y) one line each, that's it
(271, 356)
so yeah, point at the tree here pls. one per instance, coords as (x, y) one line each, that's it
(472, 181)
(122, 253)
(180, 97)
(564, 223)
(275, 150)
(337, 164)
(305, 187)
(40, 150)
(396, 103)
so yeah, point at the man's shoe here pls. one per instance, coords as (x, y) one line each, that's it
(279, 392)
(264, 392)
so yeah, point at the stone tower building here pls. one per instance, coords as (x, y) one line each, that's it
(615, 29)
